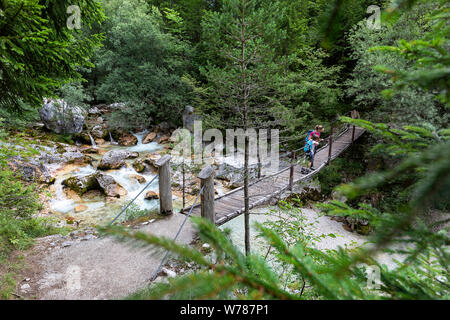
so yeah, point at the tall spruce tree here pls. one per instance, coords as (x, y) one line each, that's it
(243, 73)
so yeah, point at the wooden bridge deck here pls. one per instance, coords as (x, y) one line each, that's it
(261, 191)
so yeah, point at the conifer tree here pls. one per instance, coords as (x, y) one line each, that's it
(241, 41)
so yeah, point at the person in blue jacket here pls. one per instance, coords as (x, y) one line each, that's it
(310, 150)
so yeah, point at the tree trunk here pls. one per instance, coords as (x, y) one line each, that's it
(245, 120)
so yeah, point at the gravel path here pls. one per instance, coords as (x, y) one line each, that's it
(91, 268)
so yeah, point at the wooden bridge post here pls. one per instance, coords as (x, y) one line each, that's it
(353, 134)
(331, 143)
(291, 175)
(206, 177)
(353, 114)
(165, 186)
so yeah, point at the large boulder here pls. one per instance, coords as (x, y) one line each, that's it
(61, 118)
(114, 159)
(109, 186)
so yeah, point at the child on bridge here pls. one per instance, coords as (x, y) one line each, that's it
(310, 150)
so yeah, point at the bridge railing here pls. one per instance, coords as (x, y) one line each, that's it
(207, 175)
(165, 189)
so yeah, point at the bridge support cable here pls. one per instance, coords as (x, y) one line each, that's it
(155, 275)
(132, 201)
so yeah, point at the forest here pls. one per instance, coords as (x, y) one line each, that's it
(102, 103)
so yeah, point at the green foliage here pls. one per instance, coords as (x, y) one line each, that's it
(331, 176)
(243, 70)
(410, 104)
(419, 160)
(133, 213)
(18, 201)
(429, 54)
(74, 94)
(333, 275)
(38, 52)
(140, 65)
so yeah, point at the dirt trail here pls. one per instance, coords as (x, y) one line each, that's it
(95, 268)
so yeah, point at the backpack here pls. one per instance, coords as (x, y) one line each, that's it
(307, 137)
(307, 147)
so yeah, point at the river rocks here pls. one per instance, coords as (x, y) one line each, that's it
(191, 182)
(80, 208)
(31, 172)
(352, 224)
(128, 140)
(72, 195)
(94, 111)
(109, 186)
(335, 195)
(306, 191)
(235, 175)
(169, 273)
(113, 159)
(91, 150)
(151, 160)
(81, 185)
(99, 132)
(96, 181)
(83, 137)
(163, 139)
(61, 118)
(150, 195)
(139, 165)
(133, 155)
(139, 178)
(149, 138)
(76, 157)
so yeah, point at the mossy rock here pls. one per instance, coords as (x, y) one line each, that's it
(139, 165)
(363, 230)
(81, 185)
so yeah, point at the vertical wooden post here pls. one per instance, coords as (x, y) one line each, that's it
(353, 134)
(353, 115)
(165, 186)
(331, 143)
(206, 177)
(291, 175)
(184, 185)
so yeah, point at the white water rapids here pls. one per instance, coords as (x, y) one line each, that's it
(99, 210)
